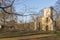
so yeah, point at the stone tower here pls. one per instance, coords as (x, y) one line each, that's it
(47, 19)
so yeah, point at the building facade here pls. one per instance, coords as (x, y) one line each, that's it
(46, 22)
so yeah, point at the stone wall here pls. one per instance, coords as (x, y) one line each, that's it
(47, 21)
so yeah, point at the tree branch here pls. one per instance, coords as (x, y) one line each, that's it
(11, 13)
(9, 5)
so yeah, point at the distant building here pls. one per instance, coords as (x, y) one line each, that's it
(38, 24)
(46, 22)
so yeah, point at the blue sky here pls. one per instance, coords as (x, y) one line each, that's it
(32, 5)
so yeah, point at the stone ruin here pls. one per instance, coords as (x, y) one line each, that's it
(47, 20)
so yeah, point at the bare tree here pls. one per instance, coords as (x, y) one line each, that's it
(5, 9)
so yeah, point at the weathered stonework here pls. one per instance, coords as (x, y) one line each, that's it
(47, 21)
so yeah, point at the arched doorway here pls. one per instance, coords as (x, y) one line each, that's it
(47, 28)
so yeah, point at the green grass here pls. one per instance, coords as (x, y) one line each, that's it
(58, 34)
(18, 34)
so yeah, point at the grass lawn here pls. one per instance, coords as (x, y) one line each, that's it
(15, 34)
(18, 34)
(35, 35)
(58, 34)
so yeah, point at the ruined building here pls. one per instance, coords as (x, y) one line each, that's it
(45, 22)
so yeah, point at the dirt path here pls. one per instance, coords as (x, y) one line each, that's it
(27, 37)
